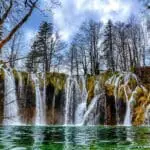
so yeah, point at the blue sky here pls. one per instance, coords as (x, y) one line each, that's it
(31, 26)
(70, 15)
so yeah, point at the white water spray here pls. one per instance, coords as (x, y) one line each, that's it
(81, 108)
(11, 111)
(40, 103)
(88, 117)
(129, 105)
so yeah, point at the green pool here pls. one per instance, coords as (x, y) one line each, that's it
(74, 138)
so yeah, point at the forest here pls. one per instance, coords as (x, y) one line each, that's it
(74, 74)
(116, 46)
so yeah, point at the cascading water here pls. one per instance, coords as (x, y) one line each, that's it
(73, 99)
(76, 101)
(119, 82)
(128, 114)
(76, 111)
(44, 96)
(11, 115)
(40, 103)
(116, 80)
(68, 92)
(81, 108)
(93, 112)
(90, 113)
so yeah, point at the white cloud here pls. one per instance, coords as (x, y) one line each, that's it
(72, 13)
(29, 35)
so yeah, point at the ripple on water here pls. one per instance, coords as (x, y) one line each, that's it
(70, 138)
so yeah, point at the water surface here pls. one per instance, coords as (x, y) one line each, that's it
(74, 138)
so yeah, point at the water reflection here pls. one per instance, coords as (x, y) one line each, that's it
(70, 138)
(38, 136)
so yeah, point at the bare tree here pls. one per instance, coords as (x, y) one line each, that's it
(7, 10)
(15, 46)
(17, 12)
(84, 50)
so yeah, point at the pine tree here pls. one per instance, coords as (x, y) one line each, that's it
(109, 46)
(33, 58)
(45, 48)
(42, 48)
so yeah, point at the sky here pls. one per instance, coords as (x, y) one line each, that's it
(69, 16)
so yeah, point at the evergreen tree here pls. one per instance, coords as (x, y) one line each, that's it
(32, 59)
(42, 48)
(109, 46)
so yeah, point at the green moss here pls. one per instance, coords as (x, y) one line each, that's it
(109, 90)
(138, 118)
(132, 83)
(132, 69)
(24, 75)
(121, 94)
(2, 74)
(26, 79)
(104, 77)
(57, 80)
(15, 72)
(90, 87)
(142, 101)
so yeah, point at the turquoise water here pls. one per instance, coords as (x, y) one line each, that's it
(74, 138)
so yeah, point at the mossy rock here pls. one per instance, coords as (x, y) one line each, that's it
(2, 75)
(109, 90)
(15, 73)
(138, 116)
(132, 69)
(27, 81)
(105, 76)
(132, 83)
(58, 80)
(90, 87)
(25, 76)
(139, 92)
(121, 94)
(142, 101)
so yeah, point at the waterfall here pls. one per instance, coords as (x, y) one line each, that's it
(44, 96)
(121, 81)
(68, 91)
(116, 80)
(73, 96)
(40, 102)
(127, 120)
(80, 113)
(128, 114)
(11, 116)
(90, 113)
(81, 108)
(75, 104)
(117, 83)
